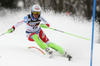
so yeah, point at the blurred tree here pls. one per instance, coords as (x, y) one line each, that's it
(83, 7)
(69, 6)
(53, 5)
(88, 10)
(7, 3)
(60, 6)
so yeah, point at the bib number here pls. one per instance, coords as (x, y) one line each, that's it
(34, 27)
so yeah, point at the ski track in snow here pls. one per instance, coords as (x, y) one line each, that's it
(14, 47)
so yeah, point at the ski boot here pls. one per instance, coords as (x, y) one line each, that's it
(67, 56)
(50, 52)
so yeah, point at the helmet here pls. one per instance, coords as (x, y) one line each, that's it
(36, 8)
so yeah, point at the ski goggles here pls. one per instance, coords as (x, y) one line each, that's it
(36, 13)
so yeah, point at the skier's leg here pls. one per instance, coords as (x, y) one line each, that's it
(43, 36)
(45, 39)
(39, 41)
(34, 37)
(41, 44)
(56, 47)
(60, 50)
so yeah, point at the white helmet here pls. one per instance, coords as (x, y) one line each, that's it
(36, 8)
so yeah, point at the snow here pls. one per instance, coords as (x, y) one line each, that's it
(14, 47)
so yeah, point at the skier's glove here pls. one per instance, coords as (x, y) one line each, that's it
(44, 26)
(10, 30)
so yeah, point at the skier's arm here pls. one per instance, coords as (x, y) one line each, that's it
(18, 24)
(15, 26)
(45, 22)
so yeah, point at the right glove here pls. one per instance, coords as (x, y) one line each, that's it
(10, 30)
(44, 26)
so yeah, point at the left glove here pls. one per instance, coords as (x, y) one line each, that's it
(10, 30)
(43, 26)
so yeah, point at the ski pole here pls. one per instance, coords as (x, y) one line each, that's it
(68, 33)
(7, 32)
(3, 33)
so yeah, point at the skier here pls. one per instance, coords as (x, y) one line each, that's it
(35, 33)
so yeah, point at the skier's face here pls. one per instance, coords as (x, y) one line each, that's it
(36, 14)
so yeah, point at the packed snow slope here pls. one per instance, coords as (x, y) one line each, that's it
(14, 51)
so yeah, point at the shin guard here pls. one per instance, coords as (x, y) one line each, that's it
(39, 41)
(56, 47)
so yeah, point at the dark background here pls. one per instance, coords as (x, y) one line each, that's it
(83, 7)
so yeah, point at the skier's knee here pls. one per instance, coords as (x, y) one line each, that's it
(34, 36)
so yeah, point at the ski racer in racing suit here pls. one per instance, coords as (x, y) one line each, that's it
(35, 33)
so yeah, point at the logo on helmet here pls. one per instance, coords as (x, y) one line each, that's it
(37, 8)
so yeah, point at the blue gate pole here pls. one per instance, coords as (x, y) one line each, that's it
(94, 5)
